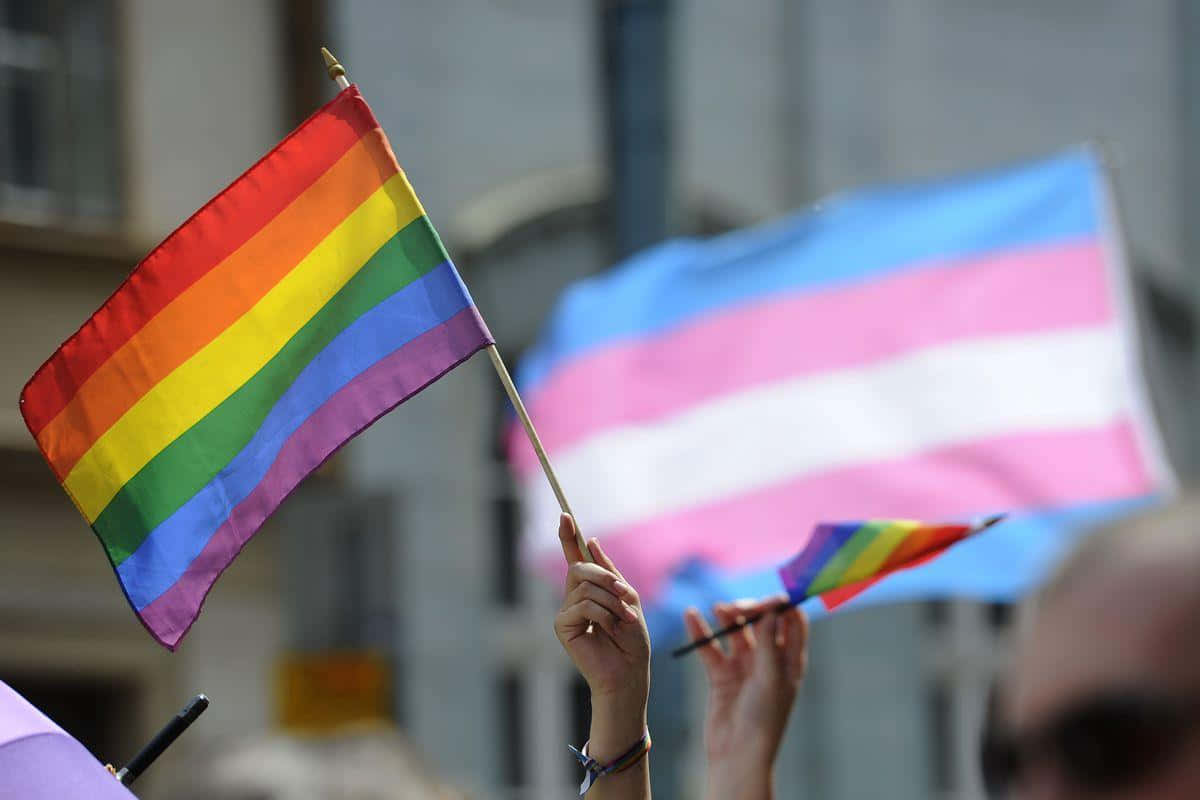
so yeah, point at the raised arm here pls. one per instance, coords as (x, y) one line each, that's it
(602, 628)
(752, 685)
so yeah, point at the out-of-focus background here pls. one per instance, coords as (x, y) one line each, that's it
(547, 139)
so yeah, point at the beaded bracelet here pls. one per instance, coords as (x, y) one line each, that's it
(593, 769)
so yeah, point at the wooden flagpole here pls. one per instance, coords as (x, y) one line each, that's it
(337, 73)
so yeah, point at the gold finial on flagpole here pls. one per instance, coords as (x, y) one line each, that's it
(337, 73)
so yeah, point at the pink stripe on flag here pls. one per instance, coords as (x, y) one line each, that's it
(1031, 290)
(1028, 471)
(354, 407)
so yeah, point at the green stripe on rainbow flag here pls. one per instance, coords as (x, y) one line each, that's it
(831, 575)
(185, 410)
(197, 386)
(216, 299)
(876, 553)
(218, 229)
(843, 558)
(183, 467)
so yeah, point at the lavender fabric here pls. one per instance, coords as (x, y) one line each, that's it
(40, 761)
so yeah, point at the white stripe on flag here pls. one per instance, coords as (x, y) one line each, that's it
(955, 393)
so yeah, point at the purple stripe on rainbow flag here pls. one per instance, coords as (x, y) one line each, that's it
(865, 551)
(827, 538)
(353, 408)
(1027, 544)
(409, 312)
(991, 294)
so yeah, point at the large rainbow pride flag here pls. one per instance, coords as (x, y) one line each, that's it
(930, 351)
(300, 304)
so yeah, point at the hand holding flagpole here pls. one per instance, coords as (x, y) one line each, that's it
(337, 74)
(914, 556)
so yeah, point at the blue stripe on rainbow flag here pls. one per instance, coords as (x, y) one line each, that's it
(844, 243)
(165, 554)
(1026, 545)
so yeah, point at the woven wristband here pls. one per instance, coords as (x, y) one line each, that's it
(593, 769)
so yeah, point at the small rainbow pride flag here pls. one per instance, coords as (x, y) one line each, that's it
(842, 559)
(299, 305)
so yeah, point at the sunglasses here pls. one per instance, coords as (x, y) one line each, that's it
(1109, 742)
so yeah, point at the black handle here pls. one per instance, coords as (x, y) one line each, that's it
(737, 626)
(162, 740)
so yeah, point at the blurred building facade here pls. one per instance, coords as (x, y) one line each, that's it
(497, 112)
(118, 118)
(407, 545)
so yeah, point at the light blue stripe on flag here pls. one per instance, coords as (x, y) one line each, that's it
(854, 238)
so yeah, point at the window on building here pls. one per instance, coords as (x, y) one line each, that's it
(508, 575)
(511, 737)
(965, 653)
(941, 737)
(999, 616)
(937, 613)
(59, 143)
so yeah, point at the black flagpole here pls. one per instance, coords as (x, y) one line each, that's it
(162, 740)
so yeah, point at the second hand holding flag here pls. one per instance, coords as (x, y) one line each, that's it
(842, 559)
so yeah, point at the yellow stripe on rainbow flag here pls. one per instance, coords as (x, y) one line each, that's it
(873, 557)
(217, 370)
(199, 314)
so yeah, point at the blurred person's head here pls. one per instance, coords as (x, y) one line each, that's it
(1103, 700)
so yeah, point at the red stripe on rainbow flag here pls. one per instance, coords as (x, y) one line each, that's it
(200, 243)
(844, 594)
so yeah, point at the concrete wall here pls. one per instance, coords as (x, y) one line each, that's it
(202, 100)
(205, 100)
(779, 102)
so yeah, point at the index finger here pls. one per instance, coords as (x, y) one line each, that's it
(751, 608)
(569, 540)
(791, 637)
(697, 628)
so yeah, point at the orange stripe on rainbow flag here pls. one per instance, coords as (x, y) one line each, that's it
(204, 240)
(208, 307)
(832, 566)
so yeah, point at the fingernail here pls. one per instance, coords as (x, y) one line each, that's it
(622, 588)
(629, 613)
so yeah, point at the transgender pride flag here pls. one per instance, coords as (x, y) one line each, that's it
(934, 351)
